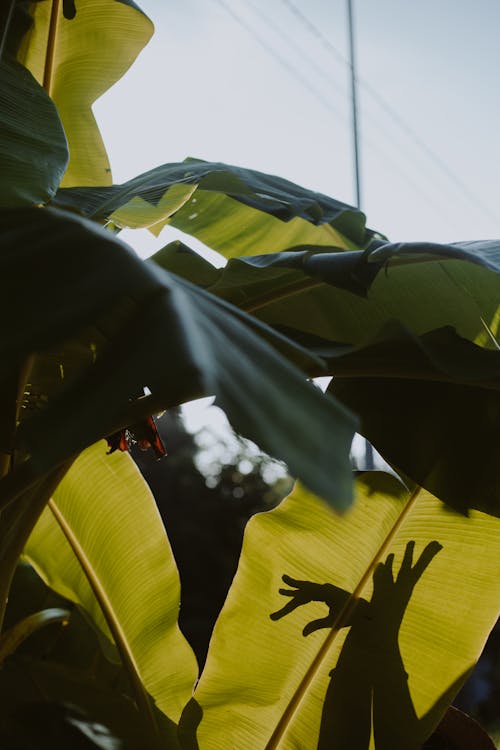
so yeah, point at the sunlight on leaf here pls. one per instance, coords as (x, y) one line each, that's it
(416, 629)
(92, 51)
(233, 210)
(102, 545)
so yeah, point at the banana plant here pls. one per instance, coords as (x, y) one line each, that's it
(100, 341)
(351, 631)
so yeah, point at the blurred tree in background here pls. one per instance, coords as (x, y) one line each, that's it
(206, 512)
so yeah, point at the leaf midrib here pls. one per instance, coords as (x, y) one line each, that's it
(50, 53)
(342, 618)
(112, 620)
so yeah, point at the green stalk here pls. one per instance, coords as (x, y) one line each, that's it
(48, 72)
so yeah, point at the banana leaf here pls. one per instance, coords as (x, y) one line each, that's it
(32, 159)
(348, 297)
(47, 706)
(77, 51)
(101, 544)
(396, 326)
(63, 665)
(133, 325)
(233, 210)
(11, 639)
(351, 633)
(432, 410)
(77, 642)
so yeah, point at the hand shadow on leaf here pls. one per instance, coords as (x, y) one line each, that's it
(369, 684)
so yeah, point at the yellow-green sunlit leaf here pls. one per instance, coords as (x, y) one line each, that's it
(77, 59)
(350, 632)
(139, 213)
(233, 210)
(101, 543)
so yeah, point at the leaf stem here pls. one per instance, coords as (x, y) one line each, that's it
(141, 696)
(5, 19)
(490, 333)
(51, 47)
(343, 617)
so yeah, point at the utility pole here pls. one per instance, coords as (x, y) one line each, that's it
(354, 104)
(369, 460)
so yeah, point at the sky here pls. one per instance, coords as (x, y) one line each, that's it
(248, 82)
(264, 84)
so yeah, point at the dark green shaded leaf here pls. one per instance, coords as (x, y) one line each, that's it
(67, 666)
(485, 253)
(44, 699)
(417, 322)
(233, 210)
(459, 730)
(17, 521)
(423, 297)
(431, 406)
(440, 356)
(14, 23)
(33, 148)
(11, 639)
(78, 644)
(158, 331)
(178, 258)
(244, 278)
(45, 726)
(341, 297)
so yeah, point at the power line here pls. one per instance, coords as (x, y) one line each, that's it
(375, 148)
(292, 44)
(294, 71)
(315, 32)
(392, 112)
(303, 80)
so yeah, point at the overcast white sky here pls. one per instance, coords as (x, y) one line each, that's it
(276, 98)
(207, 87)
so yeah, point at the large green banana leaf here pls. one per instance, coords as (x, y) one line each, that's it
(32, 158)
(349, 633)
(101, 543)
(133, 325)
(399, 341)
(77, 51)
(348, 297)
(235, 211)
